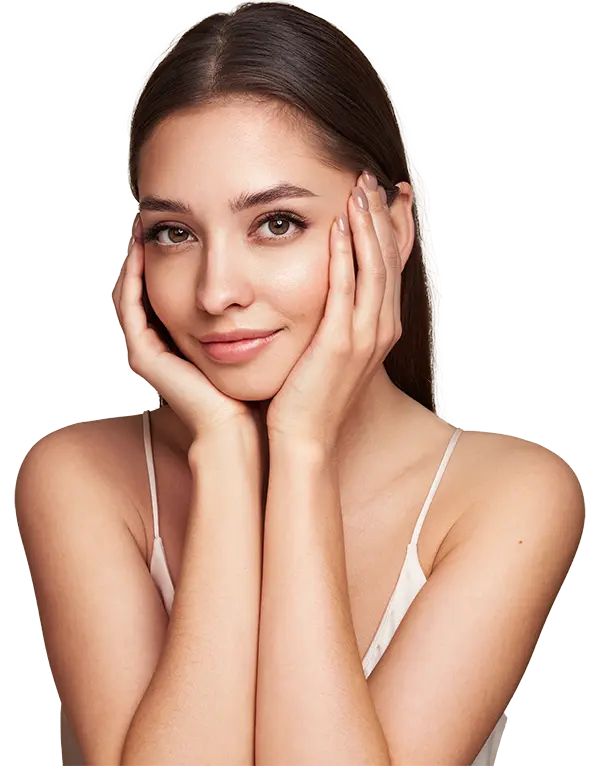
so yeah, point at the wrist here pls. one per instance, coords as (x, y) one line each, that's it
(230, 442)
(300, 448)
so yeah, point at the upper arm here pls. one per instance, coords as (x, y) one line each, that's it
(467, 638)
(102, 619)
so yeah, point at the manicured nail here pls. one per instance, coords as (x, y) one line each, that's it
(360, 198)
(137, 229)
(342, 222)
(383, 195)
(370, 180)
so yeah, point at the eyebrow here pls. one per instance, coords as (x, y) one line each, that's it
(236, 205)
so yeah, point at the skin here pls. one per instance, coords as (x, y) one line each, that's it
(225, 272)
(505, 521)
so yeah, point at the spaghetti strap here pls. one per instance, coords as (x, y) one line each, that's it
(434, 486)
(151, 473)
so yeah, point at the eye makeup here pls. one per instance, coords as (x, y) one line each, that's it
(151, 233)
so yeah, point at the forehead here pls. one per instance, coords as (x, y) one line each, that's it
(246, 142)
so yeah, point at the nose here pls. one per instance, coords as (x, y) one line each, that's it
(224, 280)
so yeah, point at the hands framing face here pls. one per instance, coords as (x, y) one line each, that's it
(360, 325)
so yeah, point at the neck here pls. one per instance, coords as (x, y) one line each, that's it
(381, 414)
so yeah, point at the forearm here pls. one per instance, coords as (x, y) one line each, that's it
(313, 701)
(200, 704)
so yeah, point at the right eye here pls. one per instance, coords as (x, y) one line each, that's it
(175, 235)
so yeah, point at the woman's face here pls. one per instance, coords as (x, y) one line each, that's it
(215, 269)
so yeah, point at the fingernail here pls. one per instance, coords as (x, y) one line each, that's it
(360, 198)
(137, 228)
(370, 180)
(342, 222)
(383, 195)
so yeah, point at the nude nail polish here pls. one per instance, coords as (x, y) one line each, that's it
(370, 180)
(360, 198)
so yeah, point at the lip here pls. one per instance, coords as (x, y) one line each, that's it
(243, 333)
(238, 350)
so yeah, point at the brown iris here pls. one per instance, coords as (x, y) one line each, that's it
(278, 229)
(184, 234)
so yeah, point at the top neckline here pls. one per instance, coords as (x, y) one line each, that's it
(160, 569)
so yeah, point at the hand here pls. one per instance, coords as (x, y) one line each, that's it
(352, 340)
(199, 404)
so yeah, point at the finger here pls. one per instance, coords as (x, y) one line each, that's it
(116, 293)
(117, 289)
(371, 277)
(133, 314)
(342, 286)
(382, 223)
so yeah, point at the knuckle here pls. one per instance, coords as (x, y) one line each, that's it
(364, 222)
(393, 339)
(134, 360)
(366, 349)
(388, 336)
(385, 328)
(390, 255)
(342, 347)
(366, 342)
(133, 350)
(376, 205)
(347, 285)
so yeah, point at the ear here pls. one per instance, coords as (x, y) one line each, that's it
(402, 220)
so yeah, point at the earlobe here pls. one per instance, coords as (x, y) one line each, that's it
(402, 220)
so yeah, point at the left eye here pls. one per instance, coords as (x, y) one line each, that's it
(281, 225)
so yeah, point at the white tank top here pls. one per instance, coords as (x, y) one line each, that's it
(409, 583)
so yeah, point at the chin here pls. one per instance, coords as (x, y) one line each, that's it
(241, 386)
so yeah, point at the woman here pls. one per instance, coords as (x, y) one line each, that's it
(269, 568)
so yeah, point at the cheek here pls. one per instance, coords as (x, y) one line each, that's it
(302, 291)
(165, 293)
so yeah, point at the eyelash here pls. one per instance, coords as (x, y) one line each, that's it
(151, 234)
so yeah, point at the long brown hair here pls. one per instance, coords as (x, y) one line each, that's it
(316, 75)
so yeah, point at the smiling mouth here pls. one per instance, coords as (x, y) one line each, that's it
(238, 350)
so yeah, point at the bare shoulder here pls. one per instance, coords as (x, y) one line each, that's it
(479, 615)
(112, 449)
(505, 464)
(100, 436)
(515, 484)
(99, 608)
